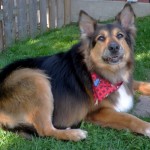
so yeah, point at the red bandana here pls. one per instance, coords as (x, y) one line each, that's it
(102, 87)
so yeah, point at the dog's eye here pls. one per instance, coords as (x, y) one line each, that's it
(120, 35)
(101, 38)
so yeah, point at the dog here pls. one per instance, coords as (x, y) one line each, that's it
(93, 82)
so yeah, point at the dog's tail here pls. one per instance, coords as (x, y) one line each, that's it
(30, 63)
(142, 87)
(24, 63)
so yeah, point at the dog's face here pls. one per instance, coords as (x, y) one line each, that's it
(109, 46)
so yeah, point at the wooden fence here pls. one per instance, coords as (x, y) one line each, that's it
(20, 19)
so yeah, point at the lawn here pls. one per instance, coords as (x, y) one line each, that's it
(98, 138)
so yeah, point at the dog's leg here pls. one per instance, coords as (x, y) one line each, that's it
(143, 87)
(44, 127)
(41, 119)
(108, 117)
(40, 111)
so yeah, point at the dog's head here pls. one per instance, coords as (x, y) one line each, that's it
(109, 47)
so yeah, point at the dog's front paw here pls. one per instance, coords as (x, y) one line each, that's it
(77, 134)
(147, 132)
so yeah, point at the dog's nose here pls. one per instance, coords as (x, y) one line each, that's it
(113, 47)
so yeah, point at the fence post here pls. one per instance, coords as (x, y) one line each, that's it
(67, 9)
(33, 22)
(60, 13)
(43, 11)
(1, 28)
(22, 19)
(52, 13)
(8, 19)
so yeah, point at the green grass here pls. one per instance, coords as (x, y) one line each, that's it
(98, 138)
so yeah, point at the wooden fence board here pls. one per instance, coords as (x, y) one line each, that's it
(8, 19)
(67, 11)
(22, 19)
(1, 37)
(1, 29)
(60, 13)
(52, 13)
(33, 22)
(43, 11)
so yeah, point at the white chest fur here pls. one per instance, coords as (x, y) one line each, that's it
(124, 100)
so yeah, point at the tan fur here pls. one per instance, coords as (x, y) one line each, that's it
(142, 87)
(108, 117)
(29, 101)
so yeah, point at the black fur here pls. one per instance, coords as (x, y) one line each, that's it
(68, 76)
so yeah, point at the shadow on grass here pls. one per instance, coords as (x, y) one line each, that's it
(142, 49)
(51, 42)
(142, 66)
(98, 139)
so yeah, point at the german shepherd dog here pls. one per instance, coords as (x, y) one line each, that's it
(51, 95)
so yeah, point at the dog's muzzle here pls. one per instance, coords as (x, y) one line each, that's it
(113, 54)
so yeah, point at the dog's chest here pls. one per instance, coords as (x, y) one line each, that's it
(124, 100)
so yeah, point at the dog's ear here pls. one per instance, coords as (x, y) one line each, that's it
(127, 18)
(87, 24)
